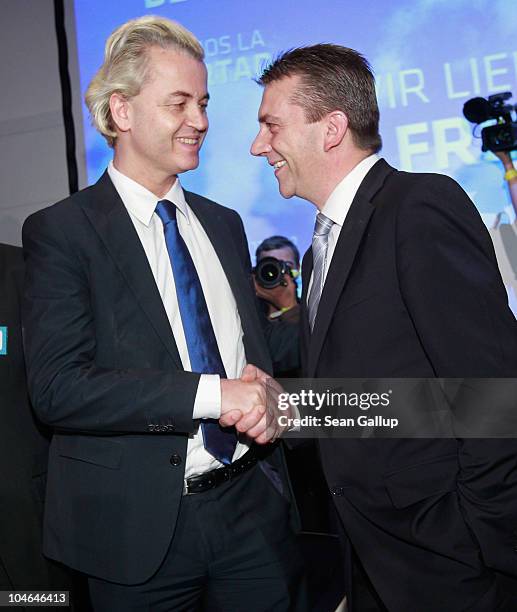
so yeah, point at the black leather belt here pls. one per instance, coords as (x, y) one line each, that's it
(214, 478)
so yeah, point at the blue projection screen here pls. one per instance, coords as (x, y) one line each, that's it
(429, 57)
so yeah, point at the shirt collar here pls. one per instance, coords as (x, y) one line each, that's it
(141, 202)
(340, 200)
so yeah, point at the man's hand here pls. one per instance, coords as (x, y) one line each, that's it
(282, 296)
(252, 372)
(262, 427)
(240, 398)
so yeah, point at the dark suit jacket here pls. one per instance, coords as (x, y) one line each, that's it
(413, 290)
(105, 372)
(23, 450)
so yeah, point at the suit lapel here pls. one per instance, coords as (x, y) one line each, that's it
(345, 252)
(112, 222)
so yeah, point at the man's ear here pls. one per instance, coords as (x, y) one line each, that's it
(336, 128)
(119, 107)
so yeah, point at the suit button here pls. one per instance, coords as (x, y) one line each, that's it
(336, 490)
(175, 459)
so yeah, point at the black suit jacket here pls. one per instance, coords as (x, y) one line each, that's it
(23, 450)
(413, 290)
(104, 371)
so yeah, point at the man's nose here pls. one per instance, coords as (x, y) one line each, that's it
(260, 145)
(198, 119)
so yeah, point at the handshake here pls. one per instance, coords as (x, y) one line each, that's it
(250, 403)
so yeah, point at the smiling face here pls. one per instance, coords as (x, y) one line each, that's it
(163, 127)
(291, 145)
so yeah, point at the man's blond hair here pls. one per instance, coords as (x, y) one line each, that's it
(125, 66)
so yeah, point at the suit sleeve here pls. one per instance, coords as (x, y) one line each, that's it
(451, 285)
(453, 292)
(69, 390)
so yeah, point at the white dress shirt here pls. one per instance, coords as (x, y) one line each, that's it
(140, 204)
(338, 204)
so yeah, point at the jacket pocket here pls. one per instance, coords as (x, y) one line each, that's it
(98, 451)
(417, 482)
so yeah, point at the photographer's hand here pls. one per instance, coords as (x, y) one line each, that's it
(505, 158)
(282, 297)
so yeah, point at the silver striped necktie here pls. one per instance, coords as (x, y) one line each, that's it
(320, 241)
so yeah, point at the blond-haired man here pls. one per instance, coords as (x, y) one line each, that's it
(140, 321)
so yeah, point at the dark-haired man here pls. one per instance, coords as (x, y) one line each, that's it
(281, 301)
(401, 281)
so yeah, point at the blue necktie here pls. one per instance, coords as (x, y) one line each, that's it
(199, 333)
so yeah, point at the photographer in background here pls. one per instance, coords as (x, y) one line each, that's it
(275, 273)
(500, 138)
(275, 276)
(280, 301)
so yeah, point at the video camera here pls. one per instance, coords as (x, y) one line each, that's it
(270, 271)
(503, 135)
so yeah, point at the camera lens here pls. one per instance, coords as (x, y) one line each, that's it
(269, 272)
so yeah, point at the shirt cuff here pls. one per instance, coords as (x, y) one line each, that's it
(207, 404)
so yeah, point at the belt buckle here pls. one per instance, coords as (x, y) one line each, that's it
(185, 487)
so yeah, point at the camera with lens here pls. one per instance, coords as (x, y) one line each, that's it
(270, 271)
(503, 135)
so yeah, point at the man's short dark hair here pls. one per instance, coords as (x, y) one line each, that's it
(333, 78)
(277, 242)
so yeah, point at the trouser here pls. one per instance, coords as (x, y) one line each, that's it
(233, 549)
